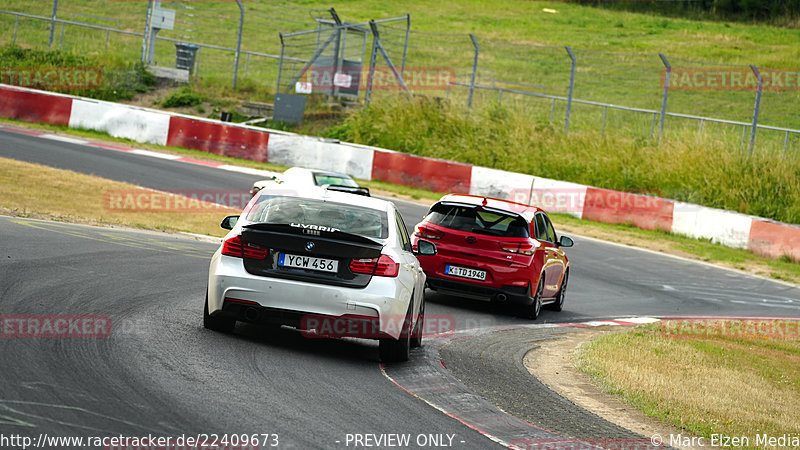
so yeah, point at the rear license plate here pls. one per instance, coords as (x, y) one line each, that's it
(308, 262)
(463, 272)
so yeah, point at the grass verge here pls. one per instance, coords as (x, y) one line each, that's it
(31, 190)
(735, 378)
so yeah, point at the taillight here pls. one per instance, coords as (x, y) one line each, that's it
(382, 267)
(427, 233)
(236, 248)
(522, 248)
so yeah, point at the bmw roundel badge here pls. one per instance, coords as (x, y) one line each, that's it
(309, 246)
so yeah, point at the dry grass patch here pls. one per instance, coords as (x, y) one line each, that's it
(31, 190)
(734, 384)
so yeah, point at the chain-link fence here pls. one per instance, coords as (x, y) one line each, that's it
(569, 88)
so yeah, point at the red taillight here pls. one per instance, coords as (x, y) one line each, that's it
(522, 248)
(382, 267)
(427, 233)
(235, 247)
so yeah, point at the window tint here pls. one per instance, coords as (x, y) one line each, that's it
(478, 220)
(348, 218)
(541, 228)
(321, 180)
(551, 233)
(402, 232)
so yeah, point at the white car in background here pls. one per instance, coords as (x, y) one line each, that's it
(302, 177)
(321, 261)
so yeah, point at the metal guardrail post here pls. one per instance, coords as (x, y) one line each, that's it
(238, 43)
(667, 73)
(53, 24)
(474, 71)
(756, 108)
(571, 88)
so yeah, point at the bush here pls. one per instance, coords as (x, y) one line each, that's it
(182, 97)
(121, 80)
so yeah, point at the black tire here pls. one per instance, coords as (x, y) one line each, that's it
(221, 324)
(536, 305)
(398, 350)
(558, 305)
(416, 337)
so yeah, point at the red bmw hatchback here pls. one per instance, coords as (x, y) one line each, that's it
(496, 250)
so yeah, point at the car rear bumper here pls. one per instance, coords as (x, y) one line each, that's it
(235, 293)
(518, 295)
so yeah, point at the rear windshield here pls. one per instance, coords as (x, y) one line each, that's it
(478, 220)
(322, 179)
(348, 218)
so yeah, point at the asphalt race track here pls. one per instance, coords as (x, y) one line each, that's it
(160, 372)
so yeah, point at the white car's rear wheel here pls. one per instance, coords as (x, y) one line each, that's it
(397, 350)
(221, 324)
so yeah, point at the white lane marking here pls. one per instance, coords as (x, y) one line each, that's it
(248, 170)
(155, 154)
(55, 137)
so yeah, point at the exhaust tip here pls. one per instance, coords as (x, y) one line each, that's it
(251, 314)
(501, 297)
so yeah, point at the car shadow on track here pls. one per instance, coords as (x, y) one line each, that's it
(286, 341)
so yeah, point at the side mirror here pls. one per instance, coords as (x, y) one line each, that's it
(566, 241)
(425, 248)
(229, 222)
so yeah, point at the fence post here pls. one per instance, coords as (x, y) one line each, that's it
(785, 144)
(53, 24)
(474, 70)
(238, 43)
(756, 108)
(280, 65)
(16, 25)
(371, 75)
(337, 52)
(146, 29)
(571, 87)
(667, 73)
(405, 45)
